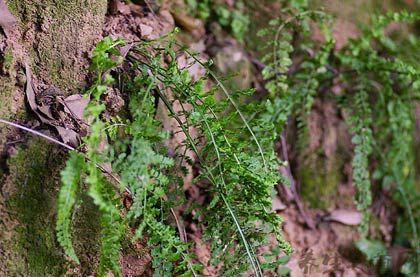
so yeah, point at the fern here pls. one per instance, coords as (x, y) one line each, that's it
(144, 172)
(223, 165)
(362, 139)
(70, 177)
(379, 88)
(234, 146)
(99, 188)
(293, 92)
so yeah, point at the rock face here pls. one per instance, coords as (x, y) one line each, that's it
(55, 38)
(59, 37)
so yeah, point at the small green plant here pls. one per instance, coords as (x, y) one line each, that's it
(237, 165)
(232, 152)
(236, 20)
(378, 89)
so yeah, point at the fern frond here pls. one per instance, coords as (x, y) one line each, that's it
(70, 177)
(362, 139)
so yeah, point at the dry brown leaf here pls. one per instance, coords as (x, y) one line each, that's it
(7, 20)
(75, 105)
(68, 136)
(188, 23)
(125, 49)
(44, 113)
(30, 94)
(346, 217)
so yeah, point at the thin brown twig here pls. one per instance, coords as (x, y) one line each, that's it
(68, 147)
(293, 183)
(36, 133)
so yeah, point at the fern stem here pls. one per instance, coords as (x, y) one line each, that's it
(234, 104)
(254, 261)
(413, 225)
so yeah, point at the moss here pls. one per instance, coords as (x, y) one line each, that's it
(7, 82)
(319, 179)
(86, 234)
(59, 35)
(31, 200)
(32, 195)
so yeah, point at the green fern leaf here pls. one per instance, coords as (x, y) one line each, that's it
(70, 178)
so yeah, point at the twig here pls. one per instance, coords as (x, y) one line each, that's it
(293, 183)
(36, 133)
(68, 147)
(181, 230)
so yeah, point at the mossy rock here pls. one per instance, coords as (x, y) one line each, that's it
(28, 210)
(324, 148)
(319, 180)
(59, 37)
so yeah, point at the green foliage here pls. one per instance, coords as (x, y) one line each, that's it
(233, 18)
(360, 122)
(387, 115)
(375, 252)
(377, 91)
(237, 164)
(293, 92)
(240, 178)
(233, 150)
(99, 189)
(70, 177)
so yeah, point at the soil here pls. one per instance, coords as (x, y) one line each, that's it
(326, 250)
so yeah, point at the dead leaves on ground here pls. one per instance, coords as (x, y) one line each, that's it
(63, 114)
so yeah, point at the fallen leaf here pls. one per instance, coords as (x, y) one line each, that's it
(44, 113)
(346, 217)
(125, 49)
(188, 23)
(7, 20)
(30, 94)
(68, 136)
(75, 105)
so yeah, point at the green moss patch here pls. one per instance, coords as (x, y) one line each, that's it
(30, 193)
(59, 35)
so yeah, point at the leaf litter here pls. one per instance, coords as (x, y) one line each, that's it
(65, 115)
